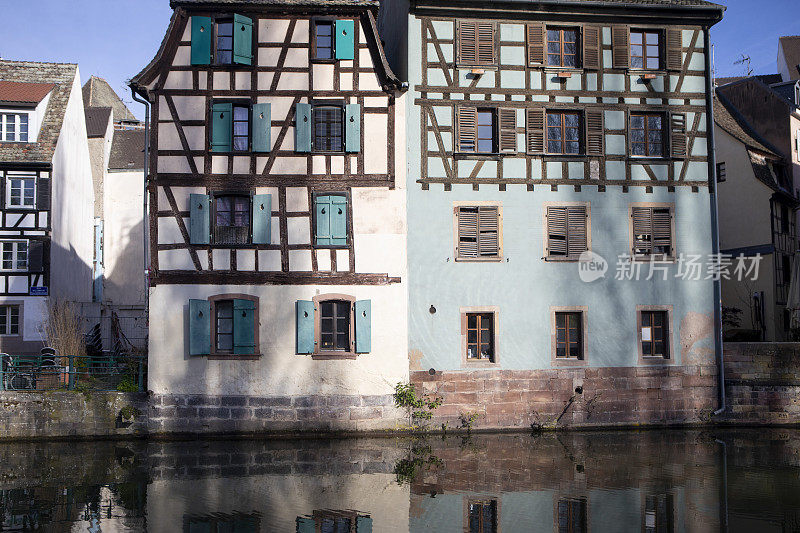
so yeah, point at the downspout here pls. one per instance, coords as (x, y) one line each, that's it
(145, 218)
(712, 189)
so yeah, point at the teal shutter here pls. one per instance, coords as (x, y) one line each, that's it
(201, 40)
(363, 313)
(305, 326)
(345, 33)
(199, 327)
(306, 525)
(338, 220)
(199, 218)
(262, 127)
(302, 128)
(244, 327)
(262, 218)
(221, 127)
(242, 40)
(352, 126)
(322, 206)
(363, 524)
(199, 527)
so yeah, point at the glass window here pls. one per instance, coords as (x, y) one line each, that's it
(569, 335)
(572, 516)
(14, 127)
(15, 255)
(647, 134)
(487, 137)
(224, 55)
(562, 47)
(223, 310)
(654, 334)
(659, 514)
(232, 220)
(241, 128)
(480, 336)
(21, 190)
(323, 39)
(335, 325)
(563, 132)
(9, 320)
(328, 128)
(645, 49)
(482, 516)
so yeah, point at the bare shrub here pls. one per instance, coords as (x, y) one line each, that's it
(63, 328)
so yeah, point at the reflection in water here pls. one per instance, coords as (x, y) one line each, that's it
(653, 481)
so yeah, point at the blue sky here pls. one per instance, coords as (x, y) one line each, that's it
(114, 39)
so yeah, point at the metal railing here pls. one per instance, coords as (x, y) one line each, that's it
(107, 372)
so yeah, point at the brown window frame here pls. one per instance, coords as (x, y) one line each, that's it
(214, 352)
(579, 313)
(583, 526)
(331, 21)
(480, 362)
(319, 353)
(320, 515)
(563, 129)
(661, 257)
(316, 107)
(493, 503)
(644, 32)
(9, 307)
(665, 134)
(667, 523)
(666, 311)
(249, 228)
(479, 340)
(562, 42)
(478, 206)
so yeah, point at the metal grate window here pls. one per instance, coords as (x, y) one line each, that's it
(328, 129)
(232, 220)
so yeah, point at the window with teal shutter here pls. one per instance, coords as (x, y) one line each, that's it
(331, 220)
(364, 524)
(345, 39)
(244, 327)
(352, 124)
(363, 323)
(302, 128)
(262, 127)
(304, 312)
(242, 40)
(199, 219)
(199, 327)
(221, 127)
(262, 218)
(306, 525)
(201, 40)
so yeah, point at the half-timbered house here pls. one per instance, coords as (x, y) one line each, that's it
(277, 215)
(558, 176)
(47, 198)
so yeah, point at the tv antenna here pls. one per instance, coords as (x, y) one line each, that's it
(744, 60)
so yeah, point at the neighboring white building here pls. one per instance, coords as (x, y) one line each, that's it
(46, 182)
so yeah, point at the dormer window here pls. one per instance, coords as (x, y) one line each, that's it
(14, 127)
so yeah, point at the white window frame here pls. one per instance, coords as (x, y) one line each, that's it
(4, 121)
(15, 252)
(23, 176)
(7, 322)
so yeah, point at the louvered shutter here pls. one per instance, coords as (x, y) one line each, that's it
(576, 231)
(677, 125)
(662, 231)
(594, 132)
(42, 194)
(591, 47)
(262, 127)
(302, 128)
(467, 222)
(467, 129)
(221, 127)
(363, 325)
(36, 256)
(201, 40)
(486, 40)
(467, 42)
(199, 327)
(262, 218)
(620, 39)
(642, 231)
(674, 45)
(507, 119)
(488, 232)
(352, 127)
(242, 40)
(535, 130)
(199, 218)
(304, 327)
(557, 231)
(338, 220)
(536, 43)
(345, 39)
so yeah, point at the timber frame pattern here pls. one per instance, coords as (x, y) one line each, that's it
(371, 85)
(544, 87)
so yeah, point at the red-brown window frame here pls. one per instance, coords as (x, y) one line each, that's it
(563, 128)
(664, 332)
(478, 341)
(646, 129)
(569, 316)
(561, 42)
(659, 43)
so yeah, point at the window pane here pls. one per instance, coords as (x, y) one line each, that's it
(570, 48)
(553, 35)
(326, 325)
(637, 62)
(554, 48)
(570, 61)
(554, 147)
(637, 136)
(655, 150)
(554, 133)
(485, 146)
(573, 147)
(652, 63)
(571, 134)
(636, 37)
(553, 119)
(472, 321)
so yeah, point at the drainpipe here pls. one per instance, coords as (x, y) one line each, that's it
(712, 189)
(145, 223)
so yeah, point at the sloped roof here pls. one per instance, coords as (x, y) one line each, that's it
(127, 150)
(338, 3)
(786, 90)
(24, 92)
(791, 51)
(61, 76)
(98, 93)
(96, 120)
(679, 4)
(769, 79)
(727, 118)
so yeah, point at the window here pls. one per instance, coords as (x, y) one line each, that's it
(572, 515)
(241, 127)
(659, 514)
(482, 516)
(15, 255)
(233, 127)
(20, 189)
(475, 41)
(231, 42)
(486, 130)
(221, 523)
(232, 219)
(224, 49)
(562, 47)
(225, 325)
(223, 321)
(567, 231)
(646, 49)
(478, 229)
(647, 134)
(652, 232)
(563, 132)
(784, 219)
(328, 128)
(480, 337)
(334, 521)
(569, 335)
(330, 220)
(654, 333)
(721, 174)
(335, 325)
(323, 39)
(14, 127)
(9, 320)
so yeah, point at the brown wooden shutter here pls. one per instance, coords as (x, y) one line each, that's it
(642, 231)
(467, 129)
(594, 132)
(467, 222)
(536, 38)
(557, 231)
(576, 231)
(677, 125)
(535, 130)
(485, 41)
(467, 42)
(488, 232)
(591, 47)
(507, 119)
(621, 53)
(662, 229)
(674, 45)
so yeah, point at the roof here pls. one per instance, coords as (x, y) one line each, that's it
(24, 92)
(786, 90)
(791, 51)
(766, 78)
(674, 4)
(300, 3)
(730, 120)
(98, 93)
(61, 76)
(97, 121)
(127, 150)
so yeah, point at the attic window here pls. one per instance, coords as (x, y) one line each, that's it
(14, 127)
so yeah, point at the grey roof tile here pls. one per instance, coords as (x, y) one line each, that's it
(127, 150)
(98, 93)
(96, 120)
(791, 51)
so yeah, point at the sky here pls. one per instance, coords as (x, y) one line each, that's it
(115, 39)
